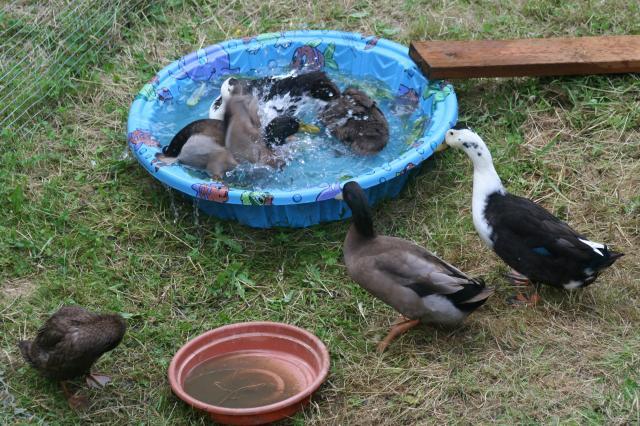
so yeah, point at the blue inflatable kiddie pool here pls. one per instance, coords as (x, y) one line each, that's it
(194, 80)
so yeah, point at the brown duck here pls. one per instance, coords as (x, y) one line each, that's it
(416, 283)
(70, 342)
(200, 144)
(243, 137)
(355, 119)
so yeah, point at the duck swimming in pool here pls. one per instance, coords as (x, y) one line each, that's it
(355, 119)
(315, 84)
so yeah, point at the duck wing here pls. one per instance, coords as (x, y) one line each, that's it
(315, 84)
(207, 126)
(359, 98)
(47, 351)
(412, 266)
(465, 293)
(76, 342)
(518, 220)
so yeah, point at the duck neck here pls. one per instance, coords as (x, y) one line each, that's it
(364, 227)
(362, 220)
(217, 110)
(485, 182)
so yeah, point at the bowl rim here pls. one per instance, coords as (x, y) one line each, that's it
(442, 117)
(187, 348)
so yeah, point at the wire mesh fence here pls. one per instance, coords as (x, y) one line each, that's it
(45, 44)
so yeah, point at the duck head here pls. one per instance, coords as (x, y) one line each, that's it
(356, 199)
(469, 142)
(283, 126)
(218, 107)
(485, 178)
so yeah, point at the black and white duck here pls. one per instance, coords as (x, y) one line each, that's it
(415, 282)
(538, 246)
(355, 119)
(69, 343)
(315, 84)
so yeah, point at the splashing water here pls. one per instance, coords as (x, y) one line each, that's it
(196, 213)
(172, 199)
(311, 159)
(126, 154)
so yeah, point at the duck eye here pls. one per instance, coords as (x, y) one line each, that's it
(451, 132)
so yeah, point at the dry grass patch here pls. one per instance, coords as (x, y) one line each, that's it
(16, 288)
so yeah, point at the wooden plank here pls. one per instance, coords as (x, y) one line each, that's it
(527, 57)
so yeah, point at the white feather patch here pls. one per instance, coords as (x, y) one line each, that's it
(572, 285)
(216, 112)
(597, 247)
(485, 182)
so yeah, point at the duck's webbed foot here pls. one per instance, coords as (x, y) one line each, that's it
(517, 279)
(399, 327)
(520, 298)
(526, 300)
(76, 401)
(97, 381)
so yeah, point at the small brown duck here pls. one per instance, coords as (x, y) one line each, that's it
(355, 119)
(243, 137)
(416, 283)
(212, 128)
(200, 144)
(69, 343)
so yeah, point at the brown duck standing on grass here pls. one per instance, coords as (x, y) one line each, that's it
(69, 343)
(355, 119)
(416, 283)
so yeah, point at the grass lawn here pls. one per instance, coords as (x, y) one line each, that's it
(83, 223)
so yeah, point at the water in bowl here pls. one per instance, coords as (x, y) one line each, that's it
(311, 159)
(245, 380)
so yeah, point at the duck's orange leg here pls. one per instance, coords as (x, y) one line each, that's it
(76, 402)
(519, 280)
(397, 329)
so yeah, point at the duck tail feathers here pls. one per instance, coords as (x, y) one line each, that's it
(611, 257)
(478, 281)
(607, 259)
(165, 159)
(25, 349)
(482, 296)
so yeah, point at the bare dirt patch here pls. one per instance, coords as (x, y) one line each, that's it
(20, 287)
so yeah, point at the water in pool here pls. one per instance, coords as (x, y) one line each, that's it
(311, 158)
(243, 380)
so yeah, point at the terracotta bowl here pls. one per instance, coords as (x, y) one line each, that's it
(306, 359)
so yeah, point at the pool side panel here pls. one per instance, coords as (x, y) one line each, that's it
(301, 215)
